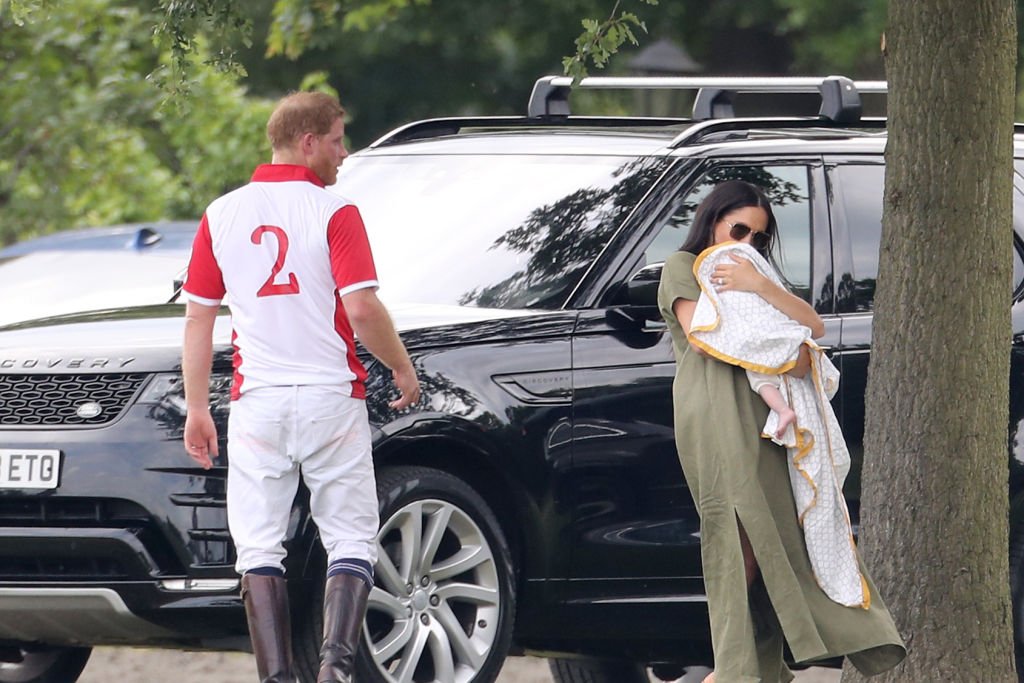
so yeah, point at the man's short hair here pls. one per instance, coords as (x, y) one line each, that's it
(300, 113)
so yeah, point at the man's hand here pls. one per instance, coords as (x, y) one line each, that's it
(373, 327)
(201, 437)
(408, 387)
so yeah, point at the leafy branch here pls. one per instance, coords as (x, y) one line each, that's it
(21, 10)
(296, 23)
(600, 40)
(182, 27)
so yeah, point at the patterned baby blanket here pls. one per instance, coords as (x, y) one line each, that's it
(743, 329)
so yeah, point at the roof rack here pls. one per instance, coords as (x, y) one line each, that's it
(840, 96)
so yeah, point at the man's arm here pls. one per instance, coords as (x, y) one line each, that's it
(196, 359)
(373, 326)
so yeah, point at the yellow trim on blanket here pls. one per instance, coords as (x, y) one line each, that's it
(819, 393)
(804, 444)
(718, 316)
(726, 358)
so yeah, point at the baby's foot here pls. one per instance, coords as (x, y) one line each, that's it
(787, 417)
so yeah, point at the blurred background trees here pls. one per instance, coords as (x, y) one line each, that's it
(88, 138)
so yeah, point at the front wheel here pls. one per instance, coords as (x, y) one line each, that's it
(443, 605)
(42, 664)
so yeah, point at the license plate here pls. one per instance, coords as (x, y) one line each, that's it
(27, 468)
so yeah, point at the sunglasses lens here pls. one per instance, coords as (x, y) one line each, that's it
(761, 240)
(738, 231)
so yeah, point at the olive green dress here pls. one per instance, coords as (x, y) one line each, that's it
(735, 477)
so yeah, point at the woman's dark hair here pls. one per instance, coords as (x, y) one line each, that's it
(725, 198)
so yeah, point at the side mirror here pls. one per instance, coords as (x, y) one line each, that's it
(642, 291)
(176, 284)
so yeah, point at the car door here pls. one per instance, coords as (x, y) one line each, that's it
(636, 533)
(856, 185)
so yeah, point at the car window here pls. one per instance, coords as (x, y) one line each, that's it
(492, 231)
(788, 189)
(862, 188)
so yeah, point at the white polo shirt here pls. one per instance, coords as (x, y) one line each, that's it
(285, 250)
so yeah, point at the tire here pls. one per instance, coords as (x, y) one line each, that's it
(449, 624)
(42, 664)
(596, 671)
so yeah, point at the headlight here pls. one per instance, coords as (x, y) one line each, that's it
(166, 391)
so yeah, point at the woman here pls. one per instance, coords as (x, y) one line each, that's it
(760, 587)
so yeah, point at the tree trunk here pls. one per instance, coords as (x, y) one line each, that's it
(934, 514)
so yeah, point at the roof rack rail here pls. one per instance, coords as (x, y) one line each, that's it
(840, 96)
(704, 129)
(432, 128)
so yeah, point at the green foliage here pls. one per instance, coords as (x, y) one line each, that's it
(294, 22)
(181, 28)
(21, 10)
(371, 16)
(844, 34)
(600, 40)
(318, 81)
(297, 24)
(84, 139)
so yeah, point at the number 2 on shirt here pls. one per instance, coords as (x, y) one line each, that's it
(269, 288)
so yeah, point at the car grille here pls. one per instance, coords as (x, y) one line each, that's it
(55, 543)
(83, 512)
(55, 400)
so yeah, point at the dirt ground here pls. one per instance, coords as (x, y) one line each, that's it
(172, 666)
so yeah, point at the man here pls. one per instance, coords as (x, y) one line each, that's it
(296, 264)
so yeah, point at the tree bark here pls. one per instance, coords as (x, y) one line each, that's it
(934, 504)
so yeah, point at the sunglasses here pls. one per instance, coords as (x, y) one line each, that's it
(738, 231)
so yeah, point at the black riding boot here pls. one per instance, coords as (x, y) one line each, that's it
(266, 609)
(344, 608)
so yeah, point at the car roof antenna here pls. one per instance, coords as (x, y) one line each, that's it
(146, 237)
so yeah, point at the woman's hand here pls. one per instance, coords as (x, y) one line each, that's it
(803, 364)
(743, 276)
(739, 276)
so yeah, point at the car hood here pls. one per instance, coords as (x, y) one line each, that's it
(49, 283)
(148, 338)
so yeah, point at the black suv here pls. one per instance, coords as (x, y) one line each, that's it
(532, 501)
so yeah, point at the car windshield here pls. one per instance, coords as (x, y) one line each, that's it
(494, 231)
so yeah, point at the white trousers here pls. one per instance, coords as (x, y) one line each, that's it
(274, 433)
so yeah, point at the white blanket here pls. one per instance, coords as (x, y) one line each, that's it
(743, 329)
